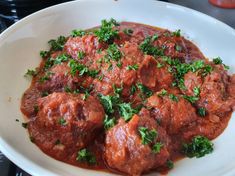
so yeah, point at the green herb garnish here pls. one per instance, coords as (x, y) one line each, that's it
(132, 67)
(85, 155)
(147, 136)
(157, 147)
(199, 147)
(106, 33)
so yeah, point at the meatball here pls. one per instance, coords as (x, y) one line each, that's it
(66, 123)
(214, 96)
(165, 110)
(153, 77)
(88, 44)
(124, 148)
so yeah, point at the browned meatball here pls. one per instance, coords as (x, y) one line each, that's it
(124, 148)
(214, 96)
(88, 44)
(172, 113)
(154, 77)
(57, 78)
(66, 123)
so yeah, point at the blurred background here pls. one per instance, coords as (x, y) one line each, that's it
(13, 10)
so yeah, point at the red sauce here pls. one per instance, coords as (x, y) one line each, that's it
(63, 119)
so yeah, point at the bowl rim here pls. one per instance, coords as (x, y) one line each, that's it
(9, 151)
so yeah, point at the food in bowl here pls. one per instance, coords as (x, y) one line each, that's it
(126, 98)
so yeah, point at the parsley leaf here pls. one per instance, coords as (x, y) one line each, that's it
(218, 60)
(109, 122)
(61, 58)
(128, 31)
(113, 52)
(62, 121)
(144, 90)
(199, 147)
(106, 33)
(147, 136)
(109, 102)
(86, 156)
(126, 111)
(58, 44)
(147, 47)
(196, 91)
(32, 73)
(82, 69)
(81, 54)
(173, 97)
(169, 164)
(162, 93)
(44, 54)
(157, 147)
(176, 33)
(201, 111)
(132, 67)
(78, 33)
(191, 99)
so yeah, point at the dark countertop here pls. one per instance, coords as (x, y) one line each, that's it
(7, 168)
(225, 15)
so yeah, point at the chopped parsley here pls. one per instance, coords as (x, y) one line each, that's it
(159, 65)
(81, 54)
(67, 89)
(31, 73)
(24, 125)
(85, 155)
(132, 67)
(32, 139)
(109, 122)
(199, 147)
(62, 121)
(128, 31)
(44, 54)
(148, 48)
(82, 69)
(78, 33)
(201, 111)
(196, 91)
(144, 90)
(58, 44)
(218, 60)
(108, 102)
(173, 97)
(147, 136)
(61, 58)
(191, 99)
(178, 48)
(162, 93)
(126, 111)
(176, 33)
(44, 94)
(169, 164)
(113, 53)
(106, 33)
(133, 89)
(46, 77)
(157, 147)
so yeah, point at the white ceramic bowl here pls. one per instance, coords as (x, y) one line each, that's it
(19, 50)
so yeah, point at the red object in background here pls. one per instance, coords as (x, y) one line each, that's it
(223, 3)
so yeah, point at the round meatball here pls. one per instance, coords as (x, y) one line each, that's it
(66, 123)
(165, 110)
(125, 150)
